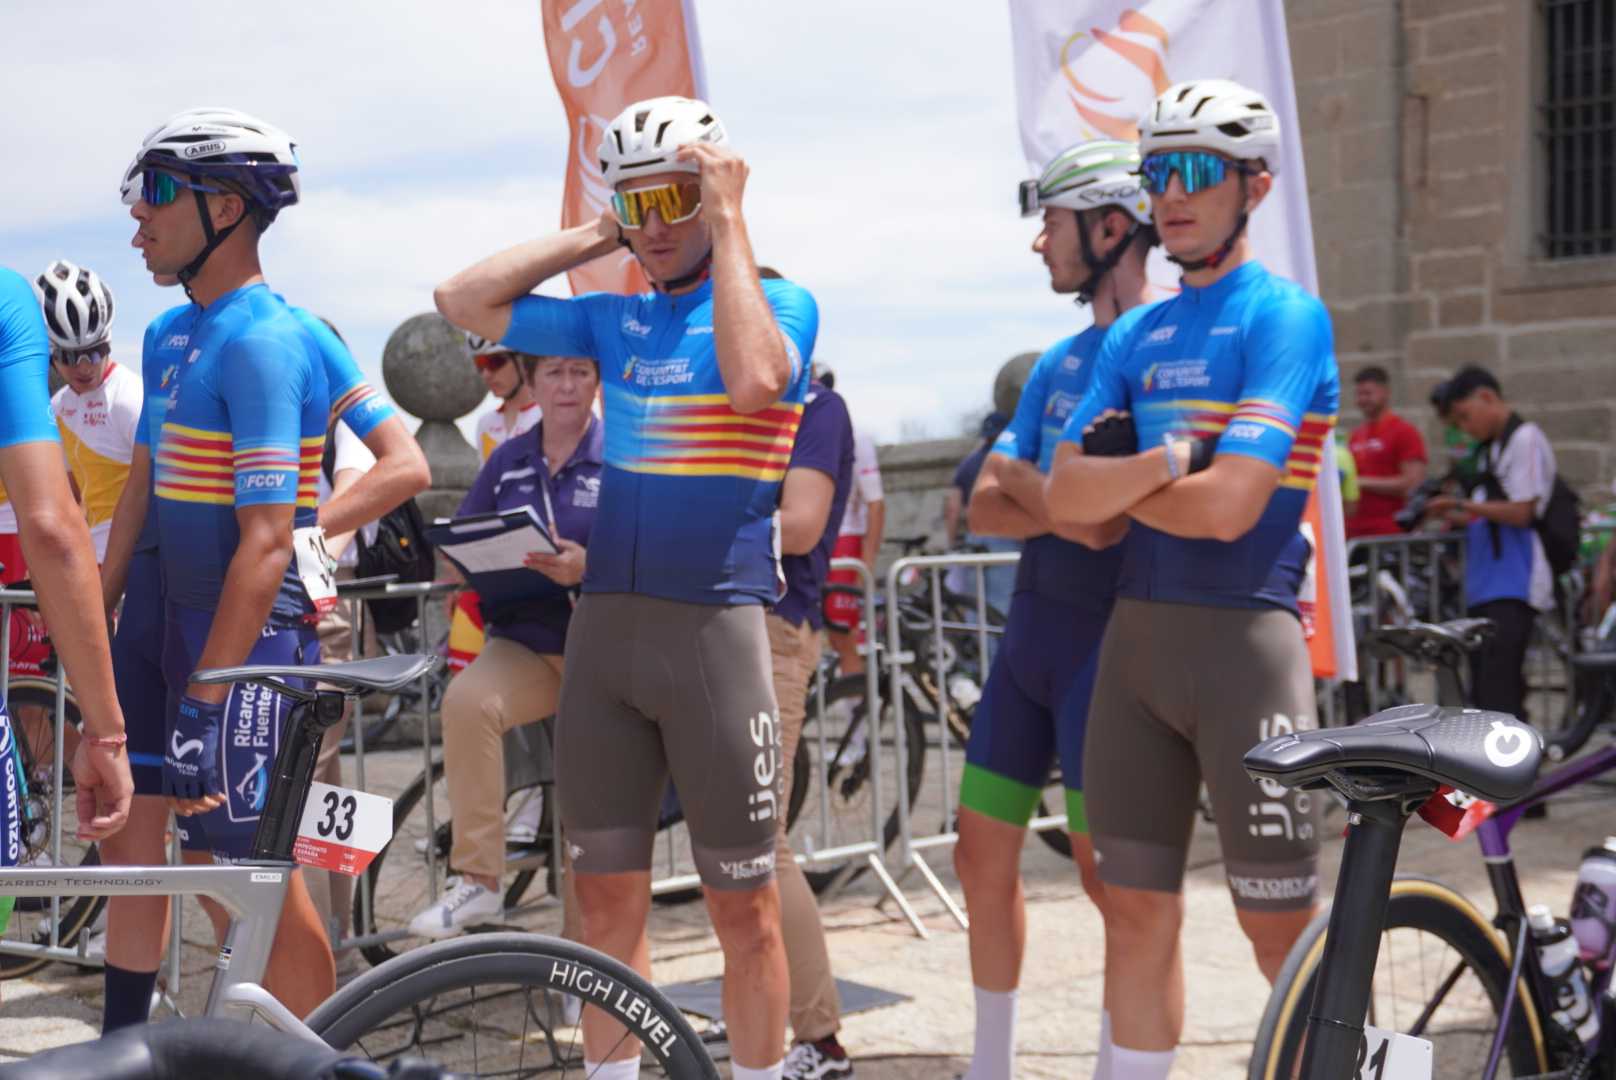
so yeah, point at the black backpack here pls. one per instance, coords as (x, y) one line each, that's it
(400, 548)
(1559, 527)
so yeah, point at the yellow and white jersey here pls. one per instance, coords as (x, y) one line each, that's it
(98, 440)
(492, 431)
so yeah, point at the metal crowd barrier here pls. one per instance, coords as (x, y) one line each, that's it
(897, 658)
(870, 852)
(1392, 592)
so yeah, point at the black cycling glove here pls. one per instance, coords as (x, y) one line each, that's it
(1111, 436)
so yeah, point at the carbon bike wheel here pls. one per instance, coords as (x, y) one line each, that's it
(32, 705)
(491, 1005)
(841, 774)
(1440, 975)
(402, 878)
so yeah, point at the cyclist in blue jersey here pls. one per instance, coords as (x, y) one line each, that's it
(63, 569)
(1095, 238)
(131, 573)
(667, 659)
(235, 468)
(1204, 426)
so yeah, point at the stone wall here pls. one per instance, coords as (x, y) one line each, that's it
(1426, 191)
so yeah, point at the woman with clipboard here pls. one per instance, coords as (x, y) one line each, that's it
(554, 470)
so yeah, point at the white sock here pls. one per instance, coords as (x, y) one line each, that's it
(1140, 1064)
(1102, 1061)
(994, 1056)
(773, 1072)
(613, 1070)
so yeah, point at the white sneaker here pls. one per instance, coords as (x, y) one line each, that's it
(522, 827)
(465, 904)
(96, 946)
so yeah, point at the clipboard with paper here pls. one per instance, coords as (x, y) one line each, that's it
(490, 549)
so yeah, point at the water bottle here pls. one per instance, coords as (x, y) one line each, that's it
(1593, 906)
(1557, 957)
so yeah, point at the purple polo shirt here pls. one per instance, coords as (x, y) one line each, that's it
(515, 475)
(824, 442)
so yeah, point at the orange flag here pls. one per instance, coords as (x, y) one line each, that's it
(605, 55)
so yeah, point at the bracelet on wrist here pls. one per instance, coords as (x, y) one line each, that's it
(111, 742)
(1170, 442)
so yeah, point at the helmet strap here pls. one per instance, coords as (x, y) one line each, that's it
(214, 239)
(1098, 267)
(701, 269)
(1215, 259)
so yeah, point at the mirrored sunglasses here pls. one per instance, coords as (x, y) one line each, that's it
(1197, 170)
(160, 188)
(674, 203)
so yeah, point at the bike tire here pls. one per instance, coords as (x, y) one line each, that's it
(855, 784)
(1427, 907)
(400, 1007)
(401, 846)
(30, 919)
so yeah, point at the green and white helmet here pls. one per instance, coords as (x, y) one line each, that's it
(1100, 172)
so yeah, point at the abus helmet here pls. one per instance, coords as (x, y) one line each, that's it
(77, 306)
(1094, 175)
(1213, 114)
(258, 159)
(645, 137)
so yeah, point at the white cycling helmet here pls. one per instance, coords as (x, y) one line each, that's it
(1214, 114)
(481, 346)
(228, 145)
(77, 305)
(645, 136)
(1100, 172)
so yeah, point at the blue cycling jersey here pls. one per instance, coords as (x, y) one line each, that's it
(690, 485)
(244, 426)
(165, 352)
(1250, 358)
(25, 413)
(1050, 566)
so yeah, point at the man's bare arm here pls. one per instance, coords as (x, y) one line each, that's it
(805, 500)
(1221, 502)
(479, 298)
(401, 472)
(128, 517)
(251, 582)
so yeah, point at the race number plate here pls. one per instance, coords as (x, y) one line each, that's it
(342, 830)
(1386, 1055)
(315, 567)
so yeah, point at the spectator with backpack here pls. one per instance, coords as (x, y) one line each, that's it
(1521, 523)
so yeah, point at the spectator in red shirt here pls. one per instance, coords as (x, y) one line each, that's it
(1390, 455)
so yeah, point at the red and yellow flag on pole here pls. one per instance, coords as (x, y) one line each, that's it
(605, 55)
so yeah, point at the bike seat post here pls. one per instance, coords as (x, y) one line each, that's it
(293, 773)
(1362, 893)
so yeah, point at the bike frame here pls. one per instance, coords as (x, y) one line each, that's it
(252, 892)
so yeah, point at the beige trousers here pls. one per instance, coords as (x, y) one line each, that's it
(508, 685)
(816, 1010)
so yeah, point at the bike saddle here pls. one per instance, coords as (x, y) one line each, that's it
(385, 673)
(1426, 641)
(1487, 754)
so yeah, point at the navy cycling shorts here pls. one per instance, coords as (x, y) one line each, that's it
(137, 671)
(1034, 710)
(254, 723)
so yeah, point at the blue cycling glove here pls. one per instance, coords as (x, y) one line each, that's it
(191, 758)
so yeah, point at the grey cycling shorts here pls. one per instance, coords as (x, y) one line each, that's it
(657, 688)
(1183, 692)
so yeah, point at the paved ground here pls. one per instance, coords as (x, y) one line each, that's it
(929, 1035)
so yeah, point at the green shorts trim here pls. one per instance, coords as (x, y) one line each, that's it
(1013, 802)
(1077, 815)
(6, 904)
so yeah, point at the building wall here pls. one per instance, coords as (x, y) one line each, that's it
(1425, 187)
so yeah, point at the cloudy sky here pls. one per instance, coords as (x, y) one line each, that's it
(882, 140)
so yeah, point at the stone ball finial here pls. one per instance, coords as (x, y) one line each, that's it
(428, 369)
(1008, 383)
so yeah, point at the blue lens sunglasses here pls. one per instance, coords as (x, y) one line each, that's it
(1198, 170)
(159, 188)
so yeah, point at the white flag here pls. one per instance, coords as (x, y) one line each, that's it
(1089, 69)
